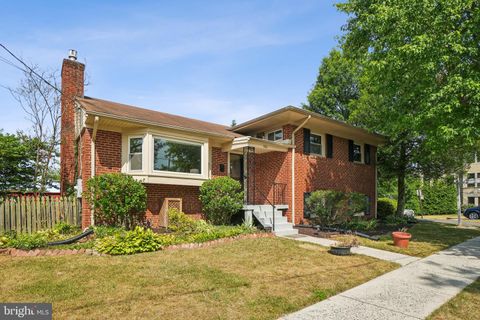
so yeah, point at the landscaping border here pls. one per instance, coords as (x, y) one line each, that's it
(66, 252)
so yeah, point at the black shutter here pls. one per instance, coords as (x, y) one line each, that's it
(306, 212)
(329, 146)
(350, 150)
(367, 153)
(306, 141)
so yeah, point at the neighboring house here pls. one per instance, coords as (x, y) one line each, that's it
(279, 157)
(471, 186)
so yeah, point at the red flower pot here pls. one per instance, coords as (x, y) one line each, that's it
(401, 239)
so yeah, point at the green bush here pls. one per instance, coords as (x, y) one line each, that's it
(106, 231)
(221, 198)
(361, 225)
(181, 223)
(129, 242)
(386, 207)
(394, 220)
(28, 241)
(440, 197)
(330, 207)
(118, 199)
(145, 240)
(65, 228)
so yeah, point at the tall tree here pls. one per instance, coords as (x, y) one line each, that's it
(17, 157)
(41, 103)
(336, 89)
(420, 80)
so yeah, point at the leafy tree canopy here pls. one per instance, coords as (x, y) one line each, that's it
(17, 155)
(336, 89)
(420, 81)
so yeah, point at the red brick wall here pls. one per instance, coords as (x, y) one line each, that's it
(72, 86)
(313, 172)
(219, 158)
(86, 173)
(108, 158)
(156, 194)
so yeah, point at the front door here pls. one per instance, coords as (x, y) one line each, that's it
(236, 167)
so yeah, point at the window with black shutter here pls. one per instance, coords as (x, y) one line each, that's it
(306, 213)
(350, 150)
(367, 154)
(329, 146)
(306, 141)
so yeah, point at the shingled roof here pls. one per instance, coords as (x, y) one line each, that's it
(125, 112)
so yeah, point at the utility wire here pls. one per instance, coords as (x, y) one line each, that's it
(30, 69)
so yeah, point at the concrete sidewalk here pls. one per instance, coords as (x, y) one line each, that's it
(410, 292)
(401, 259)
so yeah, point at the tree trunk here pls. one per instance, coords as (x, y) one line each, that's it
(401, 192)
(401, 176)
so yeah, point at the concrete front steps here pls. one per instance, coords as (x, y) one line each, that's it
(264, 214)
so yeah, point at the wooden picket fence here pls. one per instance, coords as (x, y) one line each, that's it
(27, 214)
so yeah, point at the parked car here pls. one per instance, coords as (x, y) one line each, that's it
(472, 213)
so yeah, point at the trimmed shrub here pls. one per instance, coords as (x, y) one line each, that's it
(221, 198)
(386, 207)
(118, 199)
(440, 197)
(181, 223)
(330, 207)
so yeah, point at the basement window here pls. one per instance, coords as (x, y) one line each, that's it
(135, 147)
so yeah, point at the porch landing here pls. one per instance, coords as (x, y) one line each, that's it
(270, 218)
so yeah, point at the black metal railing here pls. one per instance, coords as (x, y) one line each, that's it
(269, 202)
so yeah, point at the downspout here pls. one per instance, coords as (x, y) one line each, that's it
(293, 166)
(93, 161)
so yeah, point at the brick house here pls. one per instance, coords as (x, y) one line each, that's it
(279, 157)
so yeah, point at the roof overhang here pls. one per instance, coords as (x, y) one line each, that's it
(260, 145)
(126, 122)
(293, 115)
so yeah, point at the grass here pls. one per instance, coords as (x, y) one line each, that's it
(427, 238)
(247, 279)
(463, 306)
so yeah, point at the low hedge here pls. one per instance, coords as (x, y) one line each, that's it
(386, 207)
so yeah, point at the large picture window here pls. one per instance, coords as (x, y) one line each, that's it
(135, 153)
(177, 156)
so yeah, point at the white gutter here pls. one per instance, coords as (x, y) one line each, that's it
(293, 165)
(93, 161)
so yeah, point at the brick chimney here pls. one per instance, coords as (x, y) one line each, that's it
(72, 86)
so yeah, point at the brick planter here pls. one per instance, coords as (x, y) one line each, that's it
(68, 252)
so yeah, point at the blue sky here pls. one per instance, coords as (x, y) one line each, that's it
(211, 60)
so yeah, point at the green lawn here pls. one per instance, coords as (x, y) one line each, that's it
(427, 238)
(464, 306)
(246, 279)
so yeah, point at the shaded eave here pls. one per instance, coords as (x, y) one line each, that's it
(294, 115)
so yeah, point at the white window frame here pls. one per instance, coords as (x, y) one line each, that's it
(322, 137)
(273, 131)
(143, 153)
(174, 173)
(362, 152)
